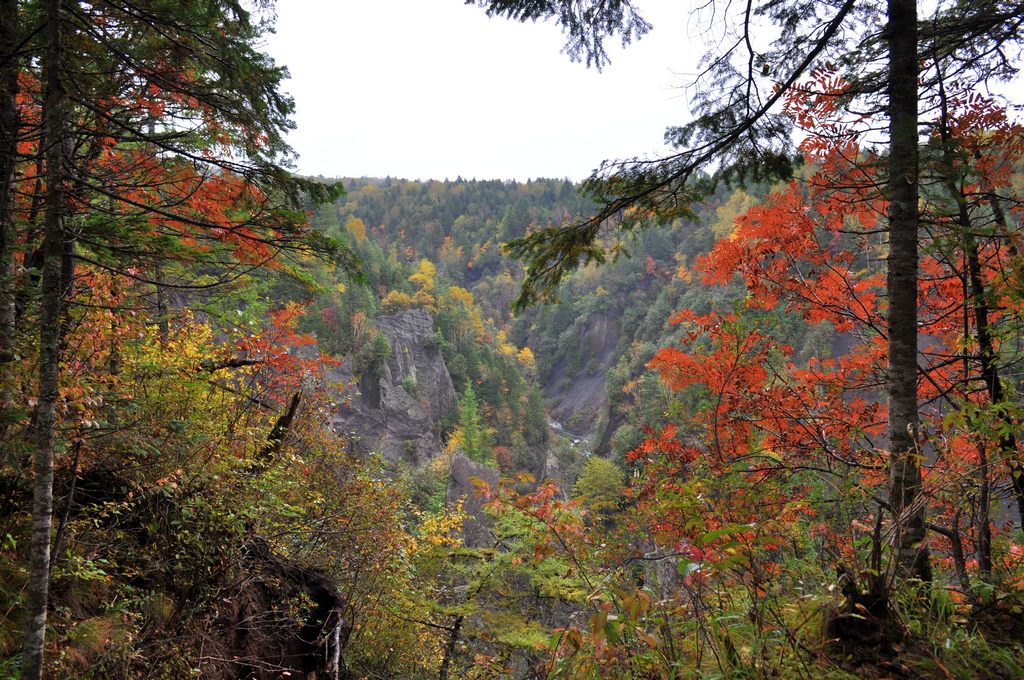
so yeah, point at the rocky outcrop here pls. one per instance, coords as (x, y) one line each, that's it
(553, 473)
(416, 355)
(578, 400)
(397, 410)
(463, 471)
(475, 531)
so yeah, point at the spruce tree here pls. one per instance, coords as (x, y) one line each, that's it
(471, 427)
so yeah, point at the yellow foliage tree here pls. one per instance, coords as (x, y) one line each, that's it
(527, 359)
(725, 217)
(423, 279)
(462, 296)
(396, 301)
(357, 228)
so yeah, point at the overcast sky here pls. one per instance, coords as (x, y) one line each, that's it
(434, 89)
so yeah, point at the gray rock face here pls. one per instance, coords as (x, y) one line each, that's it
(397, 414)
(553, 473)
(577, 402)
(475, 532)
(415, 354)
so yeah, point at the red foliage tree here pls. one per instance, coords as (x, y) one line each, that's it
(777, 441)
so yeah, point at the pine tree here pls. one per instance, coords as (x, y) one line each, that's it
(471, 428)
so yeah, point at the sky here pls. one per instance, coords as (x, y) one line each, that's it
(434, 89)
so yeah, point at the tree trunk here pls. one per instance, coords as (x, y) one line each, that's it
(901, 379)
(977, 303)
(8, 152)
(449, 649)
(54, 114)
(162, 319)
(990, 374)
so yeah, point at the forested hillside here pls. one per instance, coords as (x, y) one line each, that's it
(746, 411)
(609, 321)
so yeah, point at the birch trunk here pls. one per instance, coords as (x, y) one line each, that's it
(54, 104)
(8, 152)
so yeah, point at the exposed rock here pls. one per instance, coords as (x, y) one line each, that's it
(553, 473)
(577, 401)
(661, 576)
(475, 532)
(416, 354)
(397, 414)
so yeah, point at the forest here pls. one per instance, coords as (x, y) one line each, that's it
(750, 410)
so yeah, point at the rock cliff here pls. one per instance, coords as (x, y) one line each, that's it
(577, 399)
(397, 411)
(475, 530)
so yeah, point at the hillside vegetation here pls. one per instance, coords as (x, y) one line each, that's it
(763, 421)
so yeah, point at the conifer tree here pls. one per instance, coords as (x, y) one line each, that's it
(472, 430)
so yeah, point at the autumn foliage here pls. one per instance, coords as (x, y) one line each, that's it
(779, 444)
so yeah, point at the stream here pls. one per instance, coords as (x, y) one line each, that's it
(581, 444)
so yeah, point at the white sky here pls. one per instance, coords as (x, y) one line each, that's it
(433, 89)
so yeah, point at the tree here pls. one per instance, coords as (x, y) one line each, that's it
(54, 237)
(161, 141)
(901, 287)
(739, 133)
(973, 148)
(586, 23)
(9, 32)
(472, 434)
(807, 250)
(357, 228)
(600, 485)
